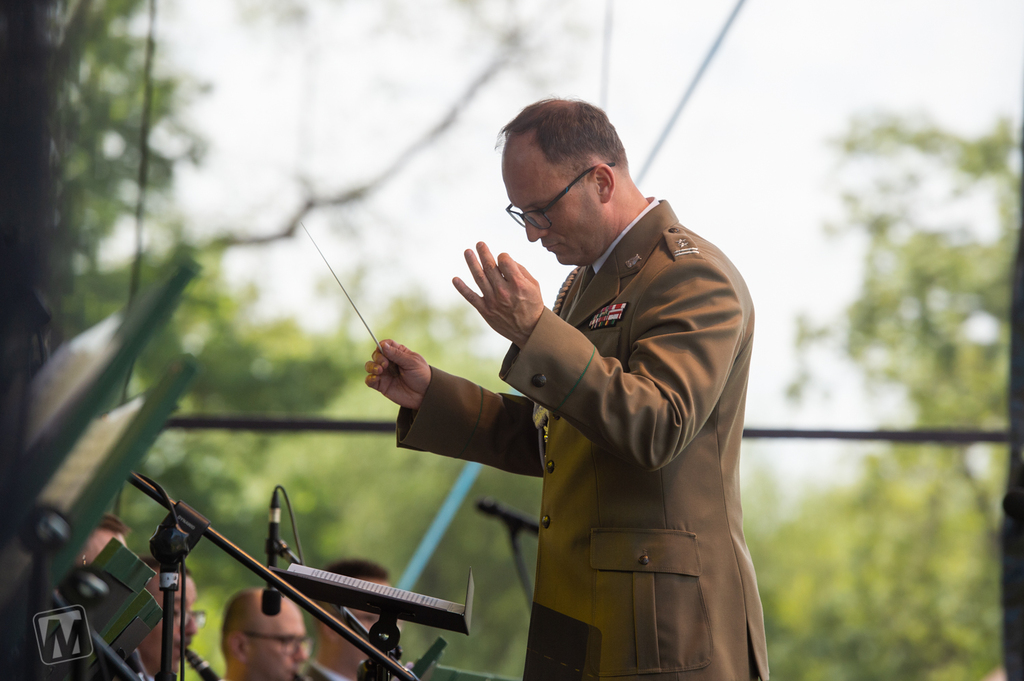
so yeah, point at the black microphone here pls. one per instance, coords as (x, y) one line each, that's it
(201, 666)
(271, 604)
(515, 520)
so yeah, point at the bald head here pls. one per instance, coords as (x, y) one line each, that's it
(259, 647)
(241, 609)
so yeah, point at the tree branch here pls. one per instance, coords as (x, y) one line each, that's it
(510, 46)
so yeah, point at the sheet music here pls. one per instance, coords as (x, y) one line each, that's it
(380, 589)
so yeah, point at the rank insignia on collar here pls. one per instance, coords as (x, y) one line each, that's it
(608, 316)
(632, 262)
(684, 248)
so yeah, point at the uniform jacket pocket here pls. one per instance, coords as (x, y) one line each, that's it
(638, 570)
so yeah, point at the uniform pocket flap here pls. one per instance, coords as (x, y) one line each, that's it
(627, 550)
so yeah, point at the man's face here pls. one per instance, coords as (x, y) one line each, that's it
(273, 647)
(149, 649)
(576, 235)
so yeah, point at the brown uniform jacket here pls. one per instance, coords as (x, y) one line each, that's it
(642, 568)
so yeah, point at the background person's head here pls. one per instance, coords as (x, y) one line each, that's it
(110, 527)
(149, 649)
(332, 651)
(259, 647)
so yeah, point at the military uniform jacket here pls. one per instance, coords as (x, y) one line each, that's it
(642, 568)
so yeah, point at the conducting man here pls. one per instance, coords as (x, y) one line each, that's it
(634, 390)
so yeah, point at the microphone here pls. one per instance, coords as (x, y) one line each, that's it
(515, 520)
(201, 666)
(271, 603)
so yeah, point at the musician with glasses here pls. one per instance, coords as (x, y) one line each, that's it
(259, 647)
(630, 406)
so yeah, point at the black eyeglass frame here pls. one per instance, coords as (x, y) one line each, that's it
(293, 643)
(522, 217)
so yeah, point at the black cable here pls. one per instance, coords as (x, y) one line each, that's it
(295, 527)
(163, 493)
(181, 638)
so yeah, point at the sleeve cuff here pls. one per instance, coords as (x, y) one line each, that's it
(447, 418)
(552, 364)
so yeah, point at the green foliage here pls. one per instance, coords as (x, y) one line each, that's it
(892, 577)
(930, 318)
(896, 575)
(99, 120)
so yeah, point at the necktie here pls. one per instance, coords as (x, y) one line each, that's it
(585, 278)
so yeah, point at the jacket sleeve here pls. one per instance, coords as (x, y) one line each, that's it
(688, 327)
(460, 419)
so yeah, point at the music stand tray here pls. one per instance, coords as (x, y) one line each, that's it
(372, 597)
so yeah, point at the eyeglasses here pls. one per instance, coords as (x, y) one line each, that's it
(539, 218)
(291, 644)
(197, 616)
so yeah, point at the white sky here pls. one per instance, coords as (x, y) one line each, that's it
(335, 95)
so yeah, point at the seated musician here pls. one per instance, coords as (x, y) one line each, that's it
(260, 647)
(337, 659)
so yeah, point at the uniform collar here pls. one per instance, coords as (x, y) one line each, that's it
(626, 259)
(604, 256)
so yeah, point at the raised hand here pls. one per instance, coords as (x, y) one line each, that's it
(510, 300)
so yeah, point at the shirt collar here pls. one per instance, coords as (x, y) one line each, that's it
(651, 203)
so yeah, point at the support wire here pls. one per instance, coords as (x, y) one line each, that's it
(689, 91)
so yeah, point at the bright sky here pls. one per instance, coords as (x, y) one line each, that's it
(335, 95)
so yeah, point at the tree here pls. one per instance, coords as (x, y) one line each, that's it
(98, 123)
(896, 575)
(352, 494)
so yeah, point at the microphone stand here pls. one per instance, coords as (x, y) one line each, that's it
(44, 535)
(515, 522)
(282, 550)
(517, 551)
(176, 535)
(263, 574)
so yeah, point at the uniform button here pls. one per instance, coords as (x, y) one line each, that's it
(551, 466)
(545, 521)
(539, 380)
(644, 560)
(673, 230)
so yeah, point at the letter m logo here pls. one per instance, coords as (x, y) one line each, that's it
(62, 634)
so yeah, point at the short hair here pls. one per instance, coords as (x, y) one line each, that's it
(569, 132)
(112, 523)
(359, 568)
